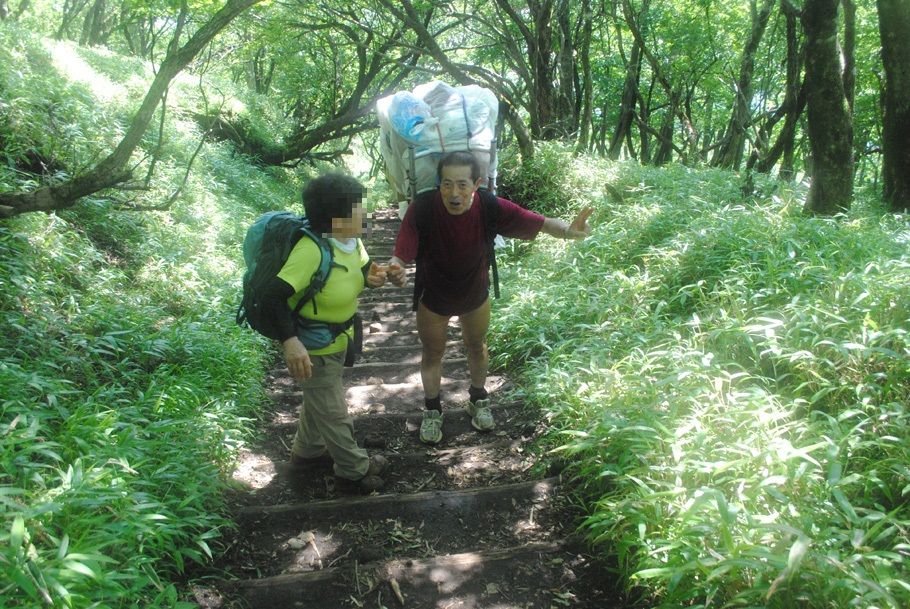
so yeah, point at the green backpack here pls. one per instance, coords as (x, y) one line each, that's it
(266, 248)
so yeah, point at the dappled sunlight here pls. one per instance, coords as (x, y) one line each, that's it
(543, 493)
(452, 574)
(285, 417)
(71, 65)
(311, 550)
(254, 470)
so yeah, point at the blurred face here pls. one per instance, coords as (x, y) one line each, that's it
(350, 227)
(457, 188)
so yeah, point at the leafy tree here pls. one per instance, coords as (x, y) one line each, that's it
(7, 13)
(792, 106)
(323, 65)
(587, 92)
(630, 92)
(113, 171)
(731, 149)
(679, 58)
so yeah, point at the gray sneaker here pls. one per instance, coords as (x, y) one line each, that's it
(481, 415)
(431, 427)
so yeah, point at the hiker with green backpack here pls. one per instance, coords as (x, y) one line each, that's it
(449, 232)
(304, 274)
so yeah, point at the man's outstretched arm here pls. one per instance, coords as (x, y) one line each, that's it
(577, 229)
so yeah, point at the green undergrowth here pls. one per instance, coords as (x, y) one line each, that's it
(727, 381)
(126, 388)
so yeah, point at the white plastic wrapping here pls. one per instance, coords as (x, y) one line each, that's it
(435, 118)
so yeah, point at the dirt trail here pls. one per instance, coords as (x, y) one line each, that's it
(469, 524)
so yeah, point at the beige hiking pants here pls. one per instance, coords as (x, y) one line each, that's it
(325, 424)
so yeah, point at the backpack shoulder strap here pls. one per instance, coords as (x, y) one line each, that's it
(423, 218)
(490, 204)
(321, 274)
(423, 213)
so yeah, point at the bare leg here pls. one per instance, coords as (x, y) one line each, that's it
(474, 326)
(431, 328)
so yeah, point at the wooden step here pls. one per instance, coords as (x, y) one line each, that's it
(529, 576)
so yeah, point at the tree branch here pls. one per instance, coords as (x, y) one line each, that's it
(112, 170)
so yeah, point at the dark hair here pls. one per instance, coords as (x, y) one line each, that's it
(459, 158)
(333, 195)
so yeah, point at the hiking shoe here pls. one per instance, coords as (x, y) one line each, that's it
(365, 486)
(431, 427)
(378, 464)
(371, 482)
(374, 440)
(298, 463)
(481, 415)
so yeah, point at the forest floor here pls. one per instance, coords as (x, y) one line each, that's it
(475, 522)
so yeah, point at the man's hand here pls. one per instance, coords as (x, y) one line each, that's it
(579, 228)
(297, 358)
(377, 275)
(396, 272)
(561, 229)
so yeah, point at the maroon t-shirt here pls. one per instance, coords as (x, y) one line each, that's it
(456, 276)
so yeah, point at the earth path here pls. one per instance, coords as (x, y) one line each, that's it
(469, 524)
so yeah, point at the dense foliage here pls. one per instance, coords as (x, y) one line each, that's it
(125, 387)
(727, 381)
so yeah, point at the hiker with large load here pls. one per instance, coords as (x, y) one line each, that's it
(304, 274)
(449, 231)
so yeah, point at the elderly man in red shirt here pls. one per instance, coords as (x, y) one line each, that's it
(453, 279)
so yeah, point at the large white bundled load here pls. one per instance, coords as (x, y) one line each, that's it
(435, 118)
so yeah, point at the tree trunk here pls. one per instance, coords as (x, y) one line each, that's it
(71, 10)
(664, 152)
(566, 113)
(894, 27)
(113, 169)
(644, 120)
(730, 153)
(794, 101)
(627, 104)
(849, 51)
(600, 132)
(543, 103)
(784, 146)
(8, 15)
(587, 101)
(93, 25)
(830, 126)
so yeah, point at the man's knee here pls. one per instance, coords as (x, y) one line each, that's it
(476, 350)
(433, 353)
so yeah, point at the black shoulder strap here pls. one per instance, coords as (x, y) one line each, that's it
(491, 226)
(320, 275)
(423, 212)
(423, 217)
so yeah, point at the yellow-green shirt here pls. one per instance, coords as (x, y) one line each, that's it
(337, 301)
